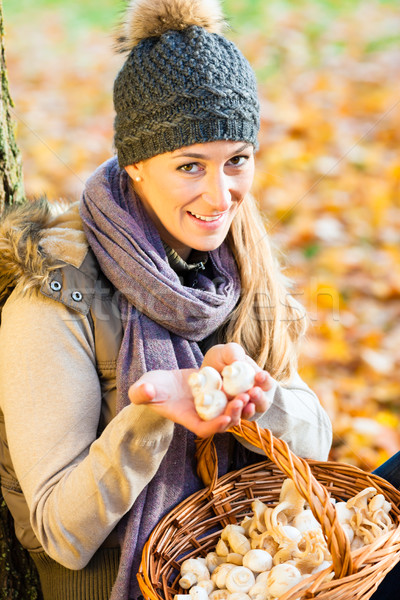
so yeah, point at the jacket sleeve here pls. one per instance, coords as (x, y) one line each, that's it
(77, 487)
(297, 417)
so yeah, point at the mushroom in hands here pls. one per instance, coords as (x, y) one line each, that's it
(209, 399)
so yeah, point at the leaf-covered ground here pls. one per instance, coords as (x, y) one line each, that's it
(328, 175)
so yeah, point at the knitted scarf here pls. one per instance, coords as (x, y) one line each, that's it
(163, 321)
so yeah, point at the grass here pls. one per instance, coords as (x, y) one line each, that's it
(244, 17)
(78, 13)
(241, 13)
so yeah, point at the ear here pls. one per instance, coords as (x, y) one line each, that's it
(135, 171)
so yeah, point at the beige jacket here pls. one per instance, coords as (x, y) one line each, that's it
(70, 467)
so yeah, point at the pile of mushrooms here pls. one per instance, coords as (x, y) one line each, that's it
(275, 549)
(209, 389)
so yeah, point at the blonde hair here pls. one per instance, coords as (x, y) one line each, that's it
(268, 322)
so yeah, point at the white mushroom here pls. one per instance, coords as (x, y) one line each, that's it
(220, 574)
(281, 578)
(291, 533)
(312, 551)
(210, 404)
(378, 511)
(305, 521)
(360, 501)
(290, 501)
(344, 513)
(193, 570)
(376, 503)
(234, 535)
(213, 560)
(257, 560)
(220, 595)
(284, 554)
(235, 558)
(239, 596)
(246, 524)
(207, 584)
(257, 523)
(238, 377)
(264, 541)
(222, 549)
(198, 593)
(387, 507)
(205, 380)
(349, 531)
(356, 543)
(370, 520)
(240, 579)
(262, 577)
(370, 531)
(324, 565)
(259, 591)
(286, 536)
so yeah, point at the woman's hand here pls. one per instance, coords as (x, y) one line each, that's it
(221, 355)
(168, 393)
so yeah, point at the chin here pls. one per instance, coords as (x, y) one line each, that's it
(209, 247)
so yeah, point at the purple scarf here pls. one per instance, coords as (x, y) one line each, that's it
(163, 321)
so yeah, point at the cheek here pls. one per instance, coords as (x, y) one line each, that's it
(244, 188)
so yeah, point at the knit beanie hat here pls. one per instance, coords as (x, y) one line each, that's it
(182, 83)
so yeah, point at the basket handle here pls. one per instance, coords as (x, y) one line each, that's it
(299, 471)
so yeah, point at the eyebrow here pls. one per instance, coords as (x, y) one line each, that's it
(204, 156)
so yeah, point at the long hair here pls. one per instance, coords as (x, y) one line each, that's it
(268, 322)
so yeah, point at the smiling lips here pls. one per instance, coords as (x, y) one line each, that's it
(202, 218)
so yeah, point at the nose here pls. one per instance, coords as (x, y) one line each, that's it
(217, 194)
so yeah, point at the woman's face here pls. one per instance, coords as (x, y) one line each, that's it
(192, 194)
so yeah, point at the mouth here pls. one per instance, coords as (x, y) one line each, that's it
(206, 219)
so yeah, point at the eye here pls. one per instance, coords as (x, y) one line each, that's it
(190, 168)
(239, 161)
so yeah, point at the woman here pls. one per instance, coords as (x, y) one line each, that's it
(163, 267)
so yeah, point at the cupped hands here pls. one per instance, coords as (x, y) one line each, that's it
(168, 393)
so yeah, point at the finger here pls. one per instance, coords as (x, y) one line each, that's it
(212, 358)
(143, 393)
(221, 355)
(234, 409)
(208, 428)
(263, 380)
(259, 399)
(248, 411)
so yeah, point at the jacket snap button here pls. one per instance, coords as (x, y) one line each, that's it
(55, 286)
(77, 296)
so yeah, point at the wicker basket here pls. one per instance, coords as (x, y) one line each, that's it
(194, 526)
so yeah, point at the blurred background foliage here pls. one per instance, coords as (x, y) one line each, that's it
(328, 169)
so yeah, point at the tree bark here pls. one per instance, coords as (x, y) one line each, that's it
(18, 575)
(11, 185)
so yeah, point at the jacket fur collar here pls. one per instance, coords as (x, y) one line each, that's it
(36, 238)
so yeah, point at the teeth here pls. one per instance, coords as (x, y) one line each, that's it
(205, 218)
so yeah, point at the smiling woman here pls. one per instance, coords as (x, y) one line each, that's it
(193, 203)
(163, 267)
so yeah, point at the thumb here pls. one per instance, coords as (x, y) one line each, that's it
(232, 352)
(142, 393)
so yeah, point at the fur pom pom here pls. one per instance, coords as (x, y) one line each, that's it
(151, 18)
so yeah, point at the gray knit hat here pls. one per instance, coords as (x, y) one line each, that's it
(182, 83)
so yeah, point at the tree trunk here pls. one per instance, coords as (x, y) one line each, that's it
(18, 576)
(11, 186)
